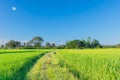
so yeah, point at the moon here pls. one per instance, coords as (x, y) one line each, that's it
(14, 8)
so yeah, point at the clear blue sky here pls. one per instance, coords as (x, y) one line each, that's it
(60, 20)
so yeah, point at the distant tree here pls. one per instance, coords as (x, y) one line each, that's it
(48, 45)
(53, 45)
(2, 46)
(36, 42)
(95, 43)
(61, 47)
(80, 44)
(83, 43)
(28, 43)
(24, 44)
(118, 45)
(13, 44)
(73, 44)
(88, 42)
(10, 44)
(17, 44)
(109, 46)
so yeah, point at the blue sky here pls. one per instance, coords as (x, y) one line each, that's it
(60, 20)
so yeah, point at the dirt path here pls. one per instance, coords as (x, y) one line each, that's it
(50, 70)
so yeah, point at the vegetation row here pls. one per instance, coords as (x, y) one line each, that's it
(36, 43)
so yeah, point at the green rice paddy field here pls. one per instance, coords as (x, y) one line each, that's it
(86, 64)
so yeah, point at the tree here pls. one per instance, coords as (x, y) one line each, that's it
(53, 45)
(95, 43)
(2, 46)
(73, 44)
(13, 44)
(17, 44)
(36, 42)
(48, 45)
(61, 47)
(10, 44)
(80, 44)
(24, 44)
(88, 42)
(83, 43)
(118, 45)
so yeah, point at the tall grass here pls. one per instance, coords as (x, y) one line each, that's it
(14, 64)
(97, 64)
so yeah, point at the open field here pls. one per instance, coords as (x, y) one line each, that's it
(66, 64)
(14, 64)
(96, 64)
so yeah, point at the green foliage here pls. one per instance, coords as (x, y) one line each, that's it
(53, 45)
(13, 44)
(48, 45)
(73, 44)
(36, 42)
(61, 47)
(88, 43)
(80, 44)
(95, 44)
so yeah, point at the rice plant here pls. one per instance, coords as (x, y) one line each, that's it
(96, 64)
(14, 64)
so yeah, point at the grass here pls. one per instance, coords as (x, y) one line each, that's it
(14, 64)
(86, 64)
(51, 72)
(96, 64)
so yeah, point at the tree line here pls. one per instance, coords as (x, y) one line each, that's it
(81, 44)
(36, 43)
